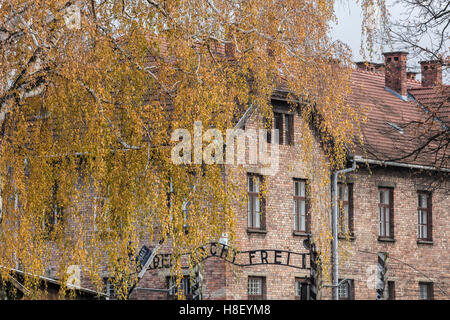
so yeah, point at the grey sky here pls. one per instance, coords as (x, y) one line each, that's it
(348, 30)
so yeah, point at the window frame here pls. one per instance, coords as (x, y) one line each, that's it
(429, 289)
(185, 283)
(390, 290)
(388, 225)
(54, 215)
(261, 296)
(110, 289)
(342, 203)
(284, 122)
(429, 215)
(1, 203)
(302, 282)
(251, 195)
(297, 200)
(350, 290)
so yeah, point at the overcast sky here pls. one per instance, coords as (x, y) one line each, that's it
(348, 29)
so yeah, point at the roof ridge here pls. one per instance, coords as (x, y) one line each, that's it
(376, 73)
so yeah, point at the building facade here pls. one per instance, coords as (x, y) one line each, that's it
(395, 202)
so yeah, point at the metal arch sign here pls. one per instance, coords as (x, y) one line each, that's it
(242, 258)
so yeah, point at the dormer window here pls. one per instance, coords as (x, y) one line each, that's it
(396, 127)
(284, 123)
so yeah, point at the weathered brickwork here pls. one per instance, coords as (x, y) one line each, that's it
(223, 280)
(280, 280)
(408, 264)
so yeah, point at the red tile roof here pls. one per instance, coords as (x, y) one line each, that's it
(391, 132)
(436, 99)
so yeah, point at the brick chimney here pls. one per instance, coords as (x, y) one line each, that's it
(411, 75)
(370, 66)
(395, 72)
(431, 73)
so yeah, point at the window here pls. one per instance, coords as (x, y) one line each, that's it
(301, 289)
(255, 205)
(1, 206)
(54, 214)
(256, 288)
(285, 125)
(185, 208)
(345, 194)
(346, 290)
(170, 193)
(386, 213)
(425, 290)
(267, 122)
(424, 216)
(110, 289)
(185, 287)
(391, 290)
(288, 129)
(301, 222)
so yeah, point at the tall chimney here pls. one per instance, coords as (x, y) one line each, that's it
(411, 75)
(431, 73)
(395, 72)
(370, 66)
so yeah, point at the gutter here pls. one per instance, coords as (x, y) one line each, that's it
(334, 188)
(360, 159)
(55, 281)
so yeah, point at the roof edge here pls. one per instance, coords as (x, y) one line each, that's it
(360, 159)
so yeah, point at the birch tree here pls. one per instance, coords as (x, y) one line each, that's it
(91, 91)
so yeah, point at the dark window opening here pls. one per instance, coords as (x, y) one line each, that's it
(301, 214)
(301, 289)
(346, 290)
(184, 287)
(425, 290)
(391, 290)
(110, 291)
(256, 288)
(54, 212)
(255, 203)
(345, 197)
(424, 216)
(386, 213)
(284, 123)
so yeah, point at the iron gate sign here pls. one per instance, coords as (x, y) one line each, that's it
(142, 257)
(242, 258)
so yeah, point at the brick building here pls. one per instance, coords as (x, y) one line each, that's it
(390, 203)
(396, 201)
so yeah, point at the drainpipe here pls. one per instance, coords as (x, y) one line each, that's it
(334, 190)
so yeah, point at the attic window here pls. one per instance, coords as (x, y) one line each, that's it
(396, 127)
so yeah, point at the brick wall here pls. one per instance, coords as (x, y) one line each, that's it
(280, 280)
(357, 256)
(431, 260)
